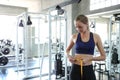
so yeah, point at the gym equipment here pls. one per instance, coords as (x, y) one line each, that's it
(100, 67)
(0, 54)
(5, 51)
(92, 25)
(21, 55)
(5, 43)
(3, 61)
(58, 66)
(59, 10)
(21, 23)
(6, 46)
(33, 41)
(106, 47)
(8, 42)
(21, 50)
(59, 18)
(57, 37)
(29, 22)
(114, 59)
(63, 4)
(117, 17)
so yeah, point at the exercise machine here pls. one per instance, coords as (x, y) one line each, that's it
(113, 57)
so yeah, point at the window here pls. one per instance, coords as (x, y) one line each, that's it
(98, 4)
(8, 28)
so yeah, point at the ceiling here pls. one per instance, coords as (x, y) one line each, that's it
(107, 14)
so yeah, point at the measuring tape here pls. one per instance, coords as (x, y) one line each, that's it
(80, 62)
(81, 66)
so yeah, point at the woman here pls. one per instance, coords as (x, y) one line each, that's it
(85, 42)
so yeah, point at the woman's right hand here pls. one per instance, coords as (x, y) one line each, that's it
(71, 59)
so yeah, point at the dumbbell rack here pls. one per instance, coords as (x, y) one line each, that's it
(5, 49)
(7, 53)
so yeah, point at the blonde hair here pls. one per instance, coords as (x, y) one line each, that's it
(82, 18)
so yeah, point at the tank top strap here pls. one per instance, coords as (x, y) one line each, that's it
(91, 36)
(78, 37)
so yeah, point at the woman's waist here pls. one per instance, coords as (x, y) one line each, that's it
(83, 64)
(80, 58)
(86, 64)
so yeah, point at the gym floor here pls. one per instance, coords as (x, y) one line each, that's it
(10, 72)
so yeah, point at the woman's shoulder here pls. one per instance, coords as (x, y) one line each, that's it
(74, 35)
(95, 35)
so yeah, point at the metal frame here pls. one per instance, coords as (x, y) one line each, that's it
(108, 61)
(25, 15)
(65, 59)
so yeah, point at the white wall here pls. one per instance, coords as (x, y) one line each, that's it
(101, 28)
(32, 5)
(48, 3)
(11, 10)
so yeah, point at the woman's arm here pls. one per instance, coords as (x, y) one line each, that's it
(70, 45)
(100, 48)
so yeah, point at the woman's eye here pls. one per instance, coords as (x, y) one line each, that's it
(79, 27)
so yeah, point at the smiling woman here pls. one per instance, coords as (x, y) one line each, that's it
(85, 42)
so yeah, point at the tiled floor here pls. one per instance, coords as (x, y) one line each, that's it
(11, 73)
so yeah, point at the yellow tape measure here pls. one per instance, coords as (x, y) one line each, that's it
(81, 66)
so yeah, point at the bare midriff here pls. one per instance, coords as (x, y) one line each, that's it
(79, 57)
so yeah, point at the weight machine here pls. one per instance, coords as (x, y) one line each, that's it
(113, 58)
(31, 46)
(6, 50)
(57, 43)
(61, 72)
(58, 37)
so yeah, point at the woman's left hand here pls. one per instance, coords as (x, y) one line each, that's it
(86, 60)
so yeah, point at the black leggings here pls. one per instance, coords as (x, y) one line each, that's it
(88, 73)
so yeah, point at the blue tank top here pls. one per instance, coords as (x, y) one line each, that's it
(85, 47)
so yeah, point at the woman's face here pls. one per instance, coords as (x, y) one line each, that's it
(80, 27)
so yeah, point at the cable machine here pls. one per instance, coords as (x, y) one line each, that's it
(60, 70)
(113, 58)
(35, 44)
(57, 42)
